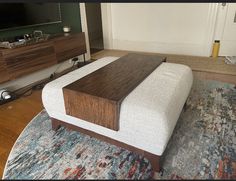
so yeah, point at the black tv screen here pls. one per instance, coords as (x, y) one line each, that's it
(14, 15)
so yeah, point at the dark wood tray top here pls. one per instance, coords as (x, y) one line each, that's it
(97, 97)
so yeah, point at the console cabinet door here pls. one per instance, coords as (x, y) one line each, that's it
(70, 46)
(28, 59)
(4, 76)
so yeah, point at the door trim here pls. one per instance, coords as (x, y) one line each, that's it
(107, 25)
(220, 21)
(84, 28)
(211, 27)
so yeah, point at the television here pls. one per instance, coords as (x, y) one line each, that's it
(16, 15)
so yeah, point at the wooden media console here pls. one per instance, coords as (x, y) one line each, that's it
(25, 59)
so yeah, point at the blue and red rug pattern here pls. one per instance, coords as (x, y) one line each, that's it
(203, 146)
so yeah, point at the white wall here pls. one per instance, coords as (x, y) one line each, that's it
(177, 28)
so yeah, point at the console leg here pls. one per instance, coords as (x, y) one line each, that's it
(84, 59)
(185, 106)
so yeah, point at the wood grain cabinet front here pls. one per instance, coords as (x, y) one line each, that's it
(4, 76)
(25, 60)
(69, 46)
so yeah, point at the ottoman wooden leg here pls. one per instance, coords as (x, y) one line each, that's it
(55, 124)
(154, 160)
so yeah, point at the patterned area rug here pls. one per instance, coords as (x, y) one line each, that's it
(203, 146)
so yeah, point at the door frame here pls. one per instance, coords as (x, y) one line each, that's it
(220, 21)
(211, 27)
(84, 27)
(107, 25)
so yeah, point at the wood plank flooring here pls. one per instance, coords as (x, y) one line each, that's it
(197, 63)
(14, 116)
(203, 67)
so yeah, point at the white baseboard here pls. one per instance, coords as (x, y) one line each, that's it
(159, 47)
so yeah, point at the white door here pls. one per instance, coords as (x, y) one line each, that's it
(226, 29)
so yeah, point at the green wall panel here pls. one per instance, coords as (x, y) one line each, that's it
(70, 14)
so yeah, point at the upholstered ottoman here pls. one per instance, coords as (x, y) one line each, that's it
(148, 114)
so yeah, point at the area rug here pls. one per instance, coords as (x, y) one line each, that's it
(203, 146)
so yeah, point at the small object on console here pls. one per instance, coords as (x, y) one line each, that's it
(66, 29)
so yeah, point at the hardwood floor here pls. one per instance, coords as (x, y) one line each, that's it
(14, 116)
(197, 63)
(203, 67)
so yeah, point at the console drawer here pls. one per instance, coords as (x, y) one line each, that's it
(69, 47)
(27, 60)
(4, 76)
